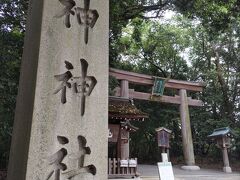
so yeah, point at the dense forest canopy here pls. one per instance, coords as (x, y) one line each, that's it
(199, 43)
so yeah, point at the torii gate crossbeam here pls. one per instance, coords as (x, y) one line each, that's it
(183, 86)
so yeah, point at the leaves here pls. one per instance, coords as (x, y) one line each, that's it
(180, 48)
(12, 24)
(200, 44)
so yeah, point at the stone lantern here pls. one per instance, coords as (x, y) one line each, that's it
(163, 139)
(223, 137)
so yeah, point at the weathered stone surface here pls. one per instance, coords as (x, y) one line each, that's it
(40, 116)
(227, 169)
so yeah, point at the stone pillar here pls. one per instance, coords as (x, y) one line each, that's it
(164, 157)
(44, 126)
(186, 132)
(226, 167)
(125, 145)
(168, 154)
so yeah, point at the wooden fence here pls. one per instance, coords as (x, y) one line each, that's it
(116, 169)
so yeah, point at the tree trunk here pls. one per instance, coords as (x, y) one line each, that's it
(227, 105)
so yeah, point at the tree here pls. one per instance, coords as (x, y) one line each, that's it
(12, 24)
(157, 48)
(215, 15)
(208, 33)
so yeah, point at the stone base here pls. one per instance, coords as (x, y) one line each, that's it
(227, 169)
(191, 168)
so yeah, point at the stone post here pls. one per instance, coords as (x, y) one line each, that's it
(164, 157)
(168, 154)
(186, 132)
(125, 145)
(48, 131)
(226, 167)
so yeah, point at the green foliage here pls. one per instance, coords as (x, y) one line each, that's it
(13, 14)
(113, 83)
(215, 15)
(155, 48)
(120, 14)
(143, 143)
(12, 23)
(202, 45)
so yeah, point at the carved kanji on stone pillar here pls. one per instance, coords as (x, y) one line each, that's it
(56, 159)
(82, 85)
(67, 11)
(79, 157)
(86, 17)
(65, 77)
(50, 111)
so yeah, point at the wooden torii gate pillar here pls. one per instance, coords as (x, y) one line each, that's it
(124, 92)
(186, 129)
(183, 86)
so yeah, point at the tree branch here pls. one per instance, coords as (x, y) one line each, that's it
(132, 12)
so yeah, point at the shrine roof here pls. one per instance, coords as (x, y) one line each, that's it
(221, 132)
(163, 129)
(128, 126)
(124, 109)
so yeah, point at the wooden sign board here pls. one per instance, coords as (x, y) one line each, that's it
(165, 171)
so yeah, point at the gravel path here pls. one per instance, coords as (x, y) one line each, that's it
(150, 172)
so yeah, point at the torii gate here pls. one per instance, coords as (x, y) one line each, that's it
(183, 86)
